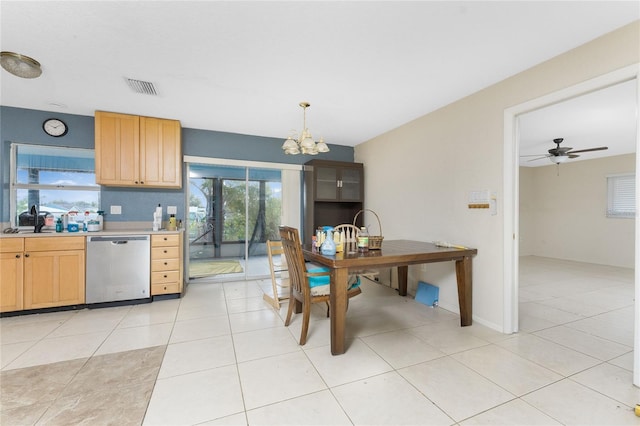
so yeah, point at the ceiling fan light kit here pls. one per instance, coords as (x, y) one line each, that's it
(20, 65)
(304, 144)
(559, 159)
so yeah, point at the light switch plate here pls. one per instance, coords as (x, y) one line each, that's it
(116, 210)
(172, 210)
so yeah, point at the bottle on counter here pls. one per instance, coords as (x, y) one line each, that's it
(172, 223)
(338, 238)
(328, 246)
(320, 236)
(101, 219)
(363, 239)
(59, 225)
(85, 223)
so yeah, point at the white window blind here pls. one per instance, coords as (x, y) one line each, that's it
(621, 195)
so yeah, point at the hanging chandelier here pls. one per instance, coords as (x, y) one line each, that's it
(20, 65)
(304, 144)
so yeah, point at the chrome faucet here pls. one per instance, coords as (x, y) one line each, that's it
(38, 225)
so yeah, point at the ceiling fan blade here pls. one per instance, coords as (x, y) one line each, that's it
(534, 155)
(539, 158)
(600, 148)
(572, 155)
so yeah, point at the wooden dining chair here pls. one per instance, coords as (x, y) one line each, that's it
(300, 286)
(351, 233)
(278, 271)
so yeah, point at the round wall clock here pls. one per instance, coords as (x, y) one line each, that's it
(55, 127)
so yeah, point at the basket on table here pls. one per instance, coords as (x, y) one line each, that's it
(375, 241)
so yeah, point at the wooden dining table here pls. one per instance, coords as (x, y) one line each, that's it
(394, 253)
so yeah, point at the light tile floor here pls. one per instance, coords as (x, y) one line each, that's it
(221, 355)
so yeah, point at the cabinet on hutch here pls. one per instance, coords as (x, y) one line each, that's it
(333, 194)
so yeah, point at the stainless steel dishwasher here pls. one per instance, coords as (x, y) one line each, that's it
(117, 268)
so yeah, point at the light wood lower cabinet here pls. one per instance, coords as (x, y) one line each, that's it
(47, 272)
(11, 273)
(54, 272)
(166, 264)
(41, 272)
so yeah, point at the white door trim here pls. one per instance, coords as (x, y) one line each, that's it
(511, 195)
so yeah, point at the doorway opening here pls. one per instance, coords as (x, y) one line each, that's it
(511, 195)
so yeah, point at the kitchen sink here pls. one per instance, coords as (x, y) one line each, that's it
(31, 232)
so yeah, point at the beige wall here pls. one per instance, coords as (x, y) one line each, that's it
(418, 176)
(563, 216)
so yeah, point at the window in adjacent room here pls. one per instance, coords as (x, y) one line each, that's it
(56, 180)
(621, 195)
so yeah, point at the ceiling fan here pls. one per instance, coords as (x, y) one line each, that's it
(559, 154)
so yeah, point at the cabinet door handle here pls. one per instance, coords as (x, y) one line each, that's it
(166, 263)
(165, 251)
(165, 238)
(17, 256)
(26, 255)
(141, 183)
(165, 276)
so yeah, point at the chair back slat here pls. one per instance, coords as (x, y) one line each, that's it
(295, 259)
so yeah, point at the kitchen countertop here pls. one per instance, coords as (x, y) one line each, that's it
(52, 233)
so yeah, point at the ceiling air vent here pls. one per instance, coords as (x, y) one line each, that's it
(139, 86)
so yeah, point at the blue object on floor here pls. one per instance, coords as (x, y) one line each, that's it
(427, 294)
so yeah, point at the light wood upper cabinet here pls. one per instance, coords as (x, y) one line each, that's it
(137, 151)
(117, 149)
(160, 152)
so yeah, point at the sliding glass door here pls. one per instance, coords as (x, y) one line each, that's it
(233, 211)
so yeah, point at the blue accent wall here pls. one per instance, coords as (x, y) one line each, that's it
(25, 126)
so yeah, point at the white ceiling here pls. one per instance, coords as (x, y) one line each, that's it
(243, 67)
(606, 117)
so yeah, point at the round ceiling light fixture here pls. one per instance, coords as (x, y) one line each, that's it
(20, 65)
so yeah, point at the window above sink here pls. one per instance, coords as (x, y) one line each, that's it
(56, 180)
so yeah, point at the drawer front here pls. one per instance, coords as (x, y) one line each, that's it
(162, 277)
(10, 245)
(165, 253)
(54, 243)
(165, 240)
(165, 264)
(157, 289)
